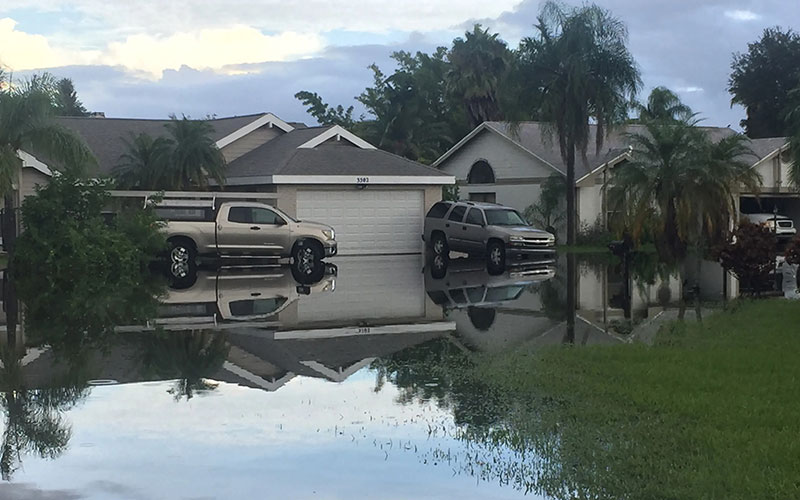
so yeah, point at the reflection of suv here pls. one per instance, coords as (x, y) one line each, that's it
(483, 228)
(460, 283)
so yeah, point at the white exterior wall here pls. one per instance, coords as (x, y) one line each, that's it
(29, 179)
(518, 174)
(590, 204)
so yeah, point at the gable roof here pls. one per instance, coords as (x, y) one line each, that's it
(536, 139)
(315, 151)
(106, 136)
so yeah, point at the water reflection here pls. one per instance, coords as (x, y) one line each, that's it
(267, 333)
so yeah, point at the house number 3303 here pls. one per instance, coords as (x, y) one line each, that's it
(362, 180)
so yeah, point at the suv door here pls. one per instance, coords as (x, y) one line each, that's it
(474, 230)
(455, 236)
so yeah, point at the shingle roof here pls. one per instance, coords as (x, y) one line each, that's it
(281, 156)
(535, 137)
(106, 136)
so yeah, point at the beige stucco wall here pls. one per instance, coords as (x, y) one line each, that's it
(249, 142)
(29, 179)
(518, 174)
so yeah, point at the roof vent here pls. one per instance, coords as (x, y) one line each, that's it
(97, 114)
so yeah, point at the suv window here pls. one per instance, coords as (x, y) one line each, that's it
(438, 210)
(256, 307)
(474, 216)
(457, 214)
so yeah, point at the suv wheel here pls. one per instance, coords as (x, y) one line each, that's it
(307, 256)
(439, 244)
(496, 253)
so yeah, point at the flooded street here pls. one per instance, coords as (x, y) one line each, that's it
(354, 380)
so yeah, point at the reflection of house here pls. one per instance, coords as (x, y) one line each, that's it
(496, 163)
(374, 199)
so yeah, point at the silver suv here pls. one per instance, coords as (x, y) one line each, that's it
(488, 229)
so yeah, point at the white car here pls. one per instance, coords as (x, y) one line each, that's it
(782, 226)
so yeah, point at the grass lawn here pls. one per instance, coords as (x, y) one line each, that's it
(710, 411)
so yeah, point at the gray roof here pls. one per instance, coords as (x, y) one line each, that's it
(536, 138)
(281, 156)
(106, 136)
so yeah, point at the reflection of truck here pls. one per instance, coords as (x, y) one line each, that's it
(462, 283)
(240, 295)
(782, 226)
(198, 227)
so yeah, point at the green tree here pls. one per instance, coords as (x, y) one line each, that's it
(195, 157)
(585, 74)
(792, 117)
(479, 64)
(66, 99)
(762, 78)
(681, 186)
(548, 211)
(663, 104)
(324, 113)
(26, 124)
(145, 164)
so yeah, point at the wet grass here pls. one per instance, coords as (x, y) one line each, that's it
(712, 410)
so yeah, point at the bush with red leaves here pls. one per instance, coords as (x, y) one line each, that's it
(750, 255)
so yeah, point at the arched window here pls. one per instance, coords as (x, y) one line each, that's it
(480, 173)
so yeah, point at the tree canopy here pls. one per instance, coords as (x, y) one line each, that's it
(762, 78)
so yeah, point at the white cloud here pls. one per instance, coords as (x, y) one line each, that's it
(319, 16)
(150, 55)
(690, 89)
(21, 51)
(742, 15)
(208, 49)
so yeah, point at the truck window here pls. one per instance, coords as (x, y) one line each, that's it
(257, 307)
(457, 214)
(243, 215)
(265, 216)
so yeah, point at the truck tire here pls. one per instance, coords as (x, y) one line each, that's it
(307, 254)
(182, 251)
(495, 256)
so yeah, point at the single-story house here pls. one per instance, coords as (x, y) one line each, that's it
(375, 200)
(496, 163)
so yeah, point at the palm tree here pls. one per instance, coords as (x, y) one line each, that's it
(195, 157)
(585, 74)
(663, 104)
(145, 163)
(479, 63)
(26, 123)
(681, 187)
(792, 117)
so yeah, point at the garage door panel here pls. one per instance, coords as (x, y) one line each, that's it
(368, 221)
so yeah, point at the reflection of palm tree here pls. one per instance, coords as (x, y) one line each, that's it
(188, 356)
(33, 417)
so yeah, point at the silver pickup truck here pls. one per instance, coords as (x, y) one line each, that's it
(242, 229)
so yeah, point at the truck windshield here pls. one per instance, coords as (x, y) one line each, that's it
(504, 218)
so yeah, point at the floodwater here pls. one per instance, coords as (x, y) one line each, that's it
(268, 382)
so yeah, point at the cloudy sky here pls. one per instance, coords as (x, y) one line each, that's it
(149, 58)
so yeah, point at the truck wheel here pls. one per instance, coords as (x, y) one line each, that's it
(496, 256)
(439, 244)
(307, 255)
(182, 251)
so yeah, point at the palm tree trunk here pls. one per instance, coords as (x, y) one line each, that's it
(572, 213)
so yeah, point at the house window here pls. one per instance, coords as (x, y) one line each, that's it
(480, 173)
(483, 197)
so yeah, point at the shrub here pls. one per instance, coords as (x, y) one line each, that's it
(78, 274)
(594, 235)
(750, 255)
(793, 251)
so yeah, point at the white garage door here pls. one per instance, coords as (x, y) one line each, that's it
(369, 221)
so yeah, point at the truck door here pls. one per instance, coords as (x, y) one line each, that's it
(244, 229)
